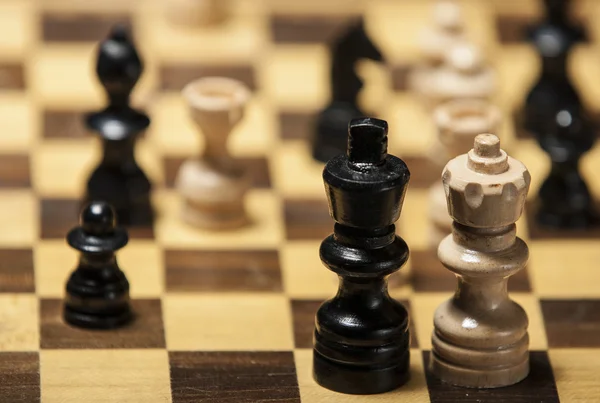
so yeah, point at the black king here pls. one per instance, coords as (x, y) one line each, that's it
(361, 340)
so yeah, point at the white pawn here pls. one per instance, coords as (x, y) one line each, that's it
(213, 186)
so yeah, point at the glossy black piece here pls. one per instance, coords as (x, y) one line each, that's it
(97, 291)
(118, 179)
(555, 115)
(330, 136)
(361, 340)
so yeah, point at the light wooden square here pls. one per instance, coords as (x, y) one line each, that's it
(536, 161)
(265, 230)
(517, 67)
(590, 166)
(19, 218)
(536, 328)
(413, 223)
(96, 376)
(19, 121)
(316, 7)
(239, 39)
(18, 28)
(584, 68)
(304, 275)
(576, 372)
(295, 173)
(415, 391)
(141, 261)
(61, 168)
(423, 306)
(19, 318)
(296, 76)
(227, 322)
(553, 276)
(63, 75)
(54, 261)
(411, 129)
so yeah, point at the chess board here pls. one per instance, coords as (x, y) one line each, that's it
(227, 317)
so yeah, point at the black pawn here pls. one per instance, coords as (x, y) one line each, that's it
(330, 134)
(118, 179)
(97, 291)
(361, 340)
(555, 115)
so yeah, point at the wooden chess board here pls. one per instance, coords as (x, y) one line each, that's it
(228, 317)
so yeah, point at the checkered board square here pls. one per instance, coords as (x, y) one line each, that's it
(228, 317)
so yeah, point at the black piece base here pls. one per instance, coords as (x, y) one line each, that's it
(360, 380)
(89, 320)
(331, 130)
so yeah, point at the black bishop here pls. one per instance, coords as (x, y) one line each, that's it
(118, 179)
(555, 115)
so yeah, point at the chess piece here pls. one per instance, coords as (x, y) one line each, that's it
(555, 115)
(447, 31)
(361, 340)
(97, 291)
(480, 338)
(118, 179)
(213, 186)
(463, 74)
(196, 13)
(330, 134)
(458, 122)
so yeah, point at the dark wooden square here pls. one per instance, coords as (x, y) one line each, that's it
(304, 311)
(80, 27)
(538, 387)
(538, 232)
(513, 28)
(422, 173)
(256, 167)
(12, 76)
(572, 323)
(297, 125)
(64, 124)
(146, 330)
(59, 216)
(307, 219)
(19, 377)
(429, 275)
(218, 271)
(400, 73)
(14, 171)
(16, 270)
(176, 77)
(233, 377)
(309, 28)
